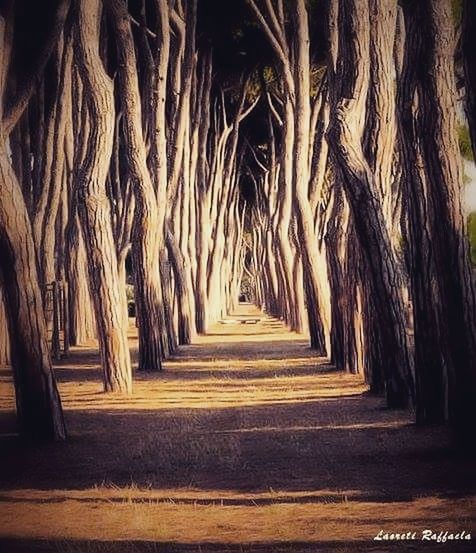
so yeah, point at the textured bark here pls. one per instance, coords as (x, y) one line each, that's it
(284, 215)
(348, 115)
(183, 291)
(146, 229)
(44, 223)
(382, 156)
(319, 323)
(81, 314)
(430, 372)
(38, 403)
(37, 399)
(4, 336)
(446, 249)
(202, 193)
(93, 205)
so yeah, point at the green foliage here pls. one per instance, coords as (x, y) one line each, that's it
(472, 235)
(464, 140)
(457, 8)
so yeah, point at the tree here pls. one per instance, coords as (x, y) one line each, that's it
(146, 229)
(38, 403)
(349, 92)
(442, 282)
(107, 291)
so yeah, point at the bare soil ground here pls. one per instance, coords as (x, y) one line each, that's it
(246, 442)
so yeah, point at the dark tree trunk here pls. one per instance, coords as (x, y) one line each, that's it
(346, 133)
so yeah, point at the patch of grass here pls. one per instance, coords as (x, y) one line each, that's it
(472, 235)
(464, 141)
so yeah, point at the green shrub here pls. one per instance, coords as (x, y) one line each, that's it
(464, 140)
(472, 235)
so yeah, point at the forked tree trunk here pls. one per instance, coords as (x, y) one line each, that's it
(93, 205)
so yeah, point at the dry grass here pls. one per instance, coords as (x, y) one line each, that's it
(175, 521)
(247, 442)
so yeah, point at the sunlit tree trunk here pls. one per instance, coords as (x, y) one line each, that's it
(53, 175)
(107, 291)
(319, 324)
(38, 403)
(146, 228)
(4, 337)
(81, 314)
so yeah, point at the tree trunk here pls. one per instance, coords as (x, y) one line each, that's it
(38, 403)
(93, 205)
(444, 178)
(348, 116)
(81, 315)
(185, 317)
(4, 337)
(146, 229)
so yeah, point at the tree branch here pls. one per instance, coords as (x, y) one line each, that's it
(13, 114)
(269, 33)
(248, 110)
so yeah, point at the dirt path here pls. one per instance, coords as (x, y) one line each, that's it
(246, 442)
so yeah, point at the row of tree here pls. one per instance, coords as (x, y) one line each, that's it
(118, 149)
(123, 152)
(362, 180)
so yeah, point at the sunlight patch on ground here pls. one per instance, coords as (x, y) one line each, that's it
(209, 393)
(173, 521)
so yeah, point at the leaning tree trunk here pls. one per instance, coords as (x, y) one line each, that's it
(381, 153)
(348, 115)
(37, 399)
(93, 205)
(38, 403)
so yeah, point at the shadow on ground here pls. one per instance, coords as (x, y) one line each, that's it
(235, 421)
